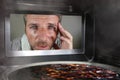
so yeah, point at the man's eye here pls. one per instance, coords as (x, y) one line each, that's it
(34, 27)
(51, 27)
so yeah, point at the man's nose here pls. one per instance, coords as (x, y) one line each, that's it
(42, 32)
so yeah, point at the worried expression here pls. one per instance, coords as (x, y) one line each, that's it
(41, 30)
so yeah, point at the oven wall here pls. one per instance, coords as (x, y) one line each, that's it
(107, 32)
(2, 28)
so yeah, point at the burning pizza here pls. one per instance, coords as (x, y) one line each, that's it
(73, 72)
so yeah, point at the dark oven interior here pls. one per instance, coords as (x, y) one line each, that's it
(102, 38)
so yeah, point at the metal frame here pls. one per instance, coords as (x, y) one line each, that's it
(10, 53)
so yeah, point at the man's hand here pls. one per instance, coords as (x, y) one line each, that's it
(66, 38)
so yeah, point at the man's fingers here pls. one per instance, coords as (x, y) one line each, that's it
(64, 39)
(62, 30)
(66, 43)
(64, 33)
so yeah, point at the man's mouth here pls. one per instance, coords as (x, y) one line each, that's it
(41, 47)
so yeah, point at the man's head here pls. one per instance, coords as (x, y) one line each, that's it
(41, 30)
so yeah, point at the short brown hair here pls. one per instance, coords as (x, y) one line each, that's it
(59, 16)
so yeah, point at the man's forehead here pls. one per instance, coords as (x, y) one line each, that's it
(40, 16)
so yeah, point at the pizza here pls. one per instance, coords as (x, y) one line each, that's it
(73, 72)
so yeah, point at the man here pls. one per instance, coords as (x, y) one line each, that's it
(41, 33)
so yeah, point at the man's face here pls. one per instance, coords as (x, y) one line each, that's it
(41, 31)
